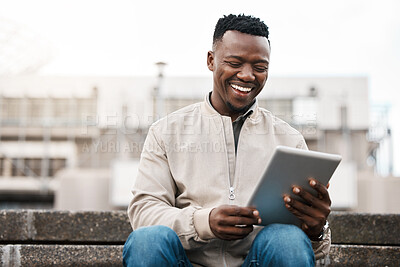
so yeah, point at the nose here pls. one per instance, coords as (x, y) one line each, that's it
(246, 73)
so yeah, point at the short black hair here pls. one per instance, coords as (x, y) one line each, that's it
(242, 23)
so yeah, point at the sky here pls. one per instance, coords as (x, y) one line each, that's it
(124, 37)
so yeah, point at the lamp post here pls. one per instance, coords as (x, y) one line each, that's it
(157, 99)
(161, 65)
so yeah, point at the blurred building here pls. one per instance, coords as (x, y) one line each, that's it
(79, 129)
(48, 124)
(40, 135)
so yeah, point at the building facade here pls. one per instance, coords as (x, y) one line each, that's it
(51, 124)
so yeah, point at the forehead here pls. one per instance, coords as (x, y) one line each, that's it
(242, 44)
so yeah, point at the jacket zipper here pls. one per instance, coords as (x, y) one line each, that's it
(231, 194)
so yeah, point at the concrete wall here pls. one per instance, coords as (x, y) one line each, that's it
(378, 194)
(82, 189)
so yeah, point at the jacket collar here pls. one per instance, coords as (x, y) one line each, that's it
(209, 109)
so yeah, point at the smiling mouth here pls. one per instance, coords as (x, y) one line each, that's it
(241, 88)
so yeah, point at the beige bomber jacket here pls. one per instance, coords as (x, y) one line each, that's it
(187, 168)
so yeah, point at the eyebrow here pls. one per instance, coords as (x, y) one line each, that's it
(241, 59)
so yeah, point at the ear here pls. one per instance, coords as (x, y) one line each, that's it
(210, 60)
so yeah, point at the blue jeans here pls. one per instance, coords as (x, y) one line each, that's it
(275, 245)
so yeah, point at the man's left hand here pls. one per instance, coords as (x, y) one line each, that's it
(313, 215)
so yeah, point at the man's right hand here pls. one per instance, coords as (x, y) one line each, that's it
(232, 222)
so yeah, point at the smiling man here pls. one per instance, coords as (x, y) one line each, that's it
(240, 71)
(201, 163)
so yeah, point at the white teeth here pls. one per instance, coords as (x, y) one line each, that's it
(240, 88)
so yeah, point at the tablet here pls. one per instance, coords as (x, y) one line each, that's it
(287, 167)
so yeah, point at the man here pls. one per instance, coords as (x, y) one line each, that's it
(200, 165)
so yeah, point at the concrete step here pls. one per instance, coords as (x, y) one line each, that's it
(111, 255)
(362, 228)
(64, 238)
(88, 227)
(60, 255)
(112, 227)
(356, 255)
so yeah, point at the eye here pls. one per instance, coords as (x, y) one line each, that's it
(234, 64)
(260, 68)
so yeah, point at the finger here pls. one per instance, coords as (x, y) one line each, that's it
(238, 220)
(310, 199)
(240, 211)
(303, 217)
(256, 213)
(321, 189)
(297, 190)
(303, 208)
(310, 225)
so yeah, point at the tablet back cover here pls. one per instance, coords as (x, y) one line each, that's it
(288, 167)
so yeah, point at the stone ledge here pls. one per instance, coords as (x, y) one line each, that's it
(352, 255)
(111, 255)
(112, 227)
(64, 226)
(364, 229)
(60, 255)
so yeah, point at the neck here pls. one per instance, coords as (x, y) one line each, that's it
(230, 110)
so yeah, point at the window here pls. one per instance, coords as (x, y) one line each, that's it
(36, 109)
(55, 165)
(61, 109)
(17, 167)
(1, 166)
(33, 167)
(11, 108)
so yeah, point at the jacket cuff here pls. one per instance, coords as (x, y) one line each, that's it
(321, 248)
(202, 224)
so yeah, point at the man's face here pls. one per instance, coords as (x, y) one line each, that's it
(239, 64)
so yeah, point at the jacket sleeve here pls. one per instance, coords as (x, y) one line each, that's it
(321, 248)
(154, 191)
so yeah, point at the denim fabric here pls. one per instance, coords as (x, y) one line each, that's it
(154, 246)
(275, 245)
(280, 245)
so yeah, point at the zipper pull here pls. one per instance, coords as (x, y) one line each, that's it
(231, 193)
